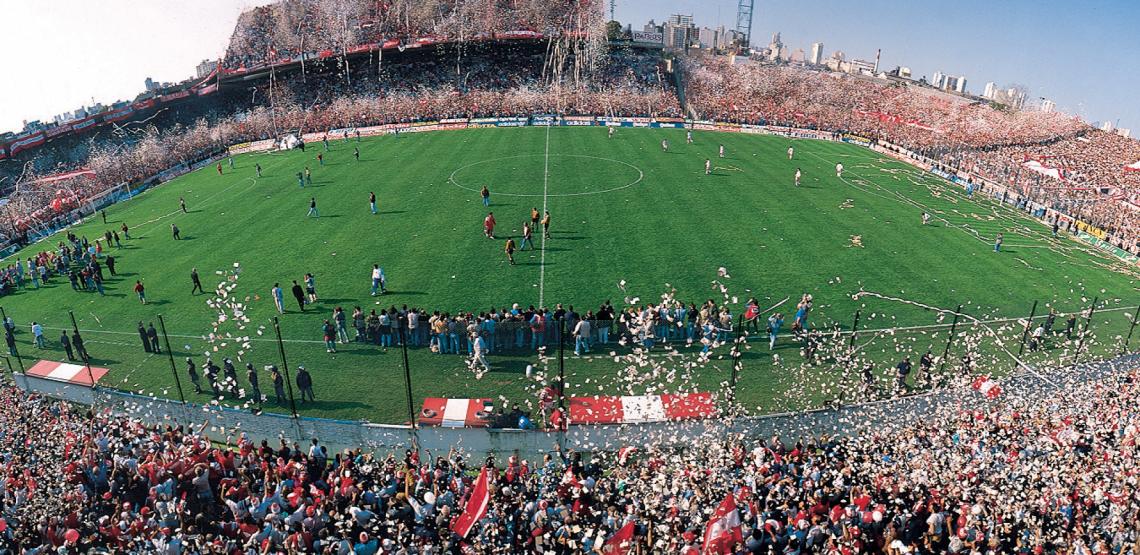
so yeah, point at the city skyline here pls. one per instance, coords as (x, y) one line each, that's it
(103, 53)
(910, 35)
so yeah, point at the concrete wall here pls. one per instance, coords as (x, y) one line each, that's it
(340, 434)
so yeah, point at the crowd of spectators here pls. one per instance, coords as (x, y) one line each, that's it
(284, 30)
(972, 137)
(1043, 472)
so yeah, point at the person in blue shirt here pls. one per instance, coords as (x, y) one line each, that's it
(775, 321)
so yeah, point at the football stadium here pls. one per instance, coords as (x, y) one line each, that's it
(511, 277)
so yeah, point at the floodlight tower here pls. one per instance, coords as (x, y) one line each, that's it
(744, 19)
(613, 7)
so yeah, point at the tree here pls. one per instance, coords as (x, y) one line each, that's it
(613, 30)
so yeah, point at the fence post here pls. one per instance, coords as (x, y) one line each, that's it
(170, 353)
(854, 327)
(15, 351)
(1130, 330)
(285, 368)
(949, 340)
(83, 351)
(407, 379)
(562, 367)
(1084, 330)
(736, 359)
(1028, 324)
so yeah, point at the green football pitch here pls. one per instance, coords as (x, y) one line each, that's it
(623, 212)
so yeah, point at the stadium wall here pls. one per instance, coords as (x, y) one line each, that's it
(224, 424)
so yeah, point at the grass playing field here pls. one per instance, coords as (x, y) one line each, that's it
(622, 210)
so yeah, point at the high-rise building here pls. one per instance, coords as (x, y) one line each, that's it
(797, 56)
(960, 85)
(1048, 106)
(206, 67)
(713, 38)
(149, 85)
(651, 27)
(816, 53)
(991, 87)
(936, 80)
(1124, 132)
(1106, 126)
(679, 31)
(681, 20)
(775, 48)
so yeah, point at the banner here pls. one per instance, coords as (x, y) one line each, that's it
(84, 123)
(648, 37)
(25, 143)
(855, 139)
(58, 130)
(511, 122)
(118, 115)
(544, 119)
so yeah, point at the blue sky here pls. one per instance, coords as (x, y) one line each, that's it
(1081, 55)
(61, 54)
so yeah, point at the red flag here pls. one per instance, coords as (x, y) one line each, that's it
(987, 387)
(723, 529)
(621, 542)
(476, 506)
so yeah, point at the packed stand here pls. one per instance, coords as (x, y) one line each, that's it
(1052, 472)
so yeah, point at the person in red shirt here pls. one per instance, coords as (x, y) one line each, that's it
(140, 291)
(489, 225)
(219, 168)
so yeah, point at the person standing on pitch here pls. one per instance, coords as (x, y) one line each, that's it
(313, 208)
(311, 288)
(65, 342)
(140, 290)
(182, 204)
(997, 242)
(546, 225)
(152, 335)
(192, 370)
(378, 280)
(708, 166)
(486, 194)
(278, 297)
(791, 151)
(356, 153)
(299, 294)
(196, 282)
(510, 250)
(489, 225)
(722, 151)
(527, 232)
(255, 389)
(305, 384)
(258, 168)
(798, 174)
(175, 232)
(278, 384)
(372, 202)
(479, 352)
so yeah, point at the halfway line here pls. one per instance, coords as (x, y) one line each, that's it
(545, 183)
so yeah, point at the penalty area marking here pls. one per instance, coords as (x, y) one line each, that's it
(640, 175)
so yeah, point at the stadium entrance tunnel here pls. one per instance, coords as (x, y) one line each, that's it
(542, 175)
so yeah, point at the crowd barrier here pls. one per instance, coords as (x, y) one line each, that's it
(224, 424)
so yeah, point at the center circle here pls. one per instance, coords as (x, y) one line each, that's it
(527, 175)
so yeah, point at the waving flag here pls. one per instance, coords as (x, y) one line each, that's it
(621, 542)
(476, 506)
(723, 529)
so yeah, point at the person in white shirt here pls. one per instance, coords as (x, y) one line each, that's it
(790, 152)
(479, 352)
(581, 336)
(839, 170)
(378, 281)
